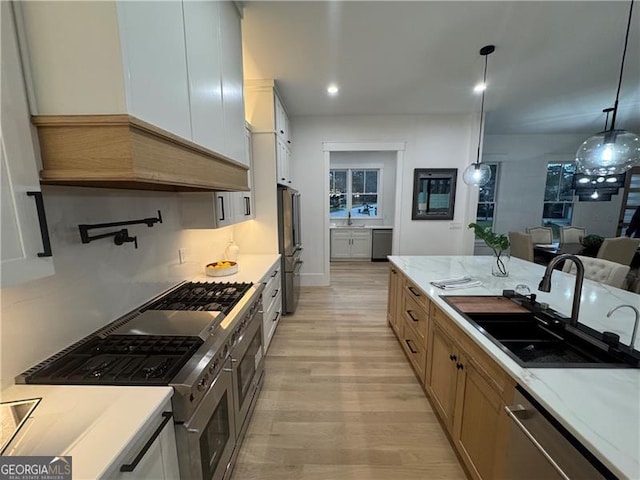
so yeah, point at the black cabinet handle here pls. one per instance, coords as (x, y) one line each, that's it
(409, 312)
(393, 271)
(275, 319)
(412, 290)
(282, 131)
(410, 348)
(221, 208)
(42, 220)
(459, 366)
(247, 205)
(275, 272)
(130, 467)
(289, 141)
(274, 293)
(453, 358)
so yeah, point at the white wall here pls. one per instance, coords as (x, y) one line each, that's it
(386, 161)
(438, 141)
(97, 282)
(522, 180)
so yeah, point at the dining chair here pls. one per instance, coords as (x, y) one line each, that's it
(600, 270)
(620, 249)
(543, 235)
(572, 234)
(521, 246)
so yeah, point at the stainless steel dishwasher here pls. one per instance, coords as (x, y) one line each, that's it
(381, 239)
(540, 448)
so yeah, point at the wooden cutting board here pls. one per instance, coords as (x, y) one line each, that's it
(484, 304)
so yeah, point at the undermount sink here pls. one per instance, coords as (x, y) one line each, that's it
(544, 339)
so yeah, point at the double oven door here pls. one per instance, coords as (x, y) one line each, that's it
(247, 365)
(207, 440)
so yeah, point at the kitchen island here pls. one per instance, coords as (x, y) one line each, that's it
(600, 407)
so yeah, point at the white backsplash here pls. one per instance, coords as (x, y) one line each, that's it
(97, 282)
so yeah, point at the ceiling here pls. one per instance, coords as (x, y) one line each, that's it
(555, 67)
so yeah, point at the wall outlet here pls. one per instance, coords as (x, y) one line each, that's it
(183, 255)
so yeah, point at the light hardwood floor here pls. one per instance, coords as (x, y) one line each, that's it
(340, 400)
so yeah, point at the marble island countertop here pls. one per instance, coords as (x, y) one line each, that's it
(601, 407)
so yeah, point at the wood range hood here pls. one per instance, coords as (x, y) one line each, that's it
(121, 151)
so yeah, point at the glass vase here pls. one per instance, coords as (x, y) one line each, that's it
(500, 264)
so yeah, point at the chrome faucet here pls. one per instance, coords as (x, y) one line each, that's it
(545, 283)
(349, 222)
(635, 325)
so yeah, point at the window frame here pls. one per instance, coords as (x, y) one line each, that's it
(349, 192)
(566, 203)
(495, 195)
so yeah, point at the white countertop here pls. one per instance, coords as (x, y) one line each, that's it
(364, 227)
(93, 424)
(251, 268)
(601, 407)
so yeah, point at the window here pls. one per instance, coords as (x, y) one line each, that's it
(354, 190)
(487, 199)
(558, 196)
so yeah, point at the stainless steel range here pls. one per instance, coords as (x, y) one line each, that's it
(202, 339)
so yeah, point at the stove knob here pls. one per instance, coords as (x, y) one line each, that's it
(225, 350)
(213, 366)
(202, 384)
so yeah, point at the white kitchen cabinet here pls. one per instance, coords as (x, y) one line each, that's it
(282, 162)
(266, 113)
(350, 243)
(232, 86)
(271, 303)
(220, 209)
(174, 64)
(24, 255)
(158, 461)
(152, 37)
(204, 45)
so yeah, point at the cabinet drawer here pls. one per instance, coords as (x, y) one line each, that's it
(410, 289)
(271, 289)
(415, 351)
(270, 320)
(415, 316)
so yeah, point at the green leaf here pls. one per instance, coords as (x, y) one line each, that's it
(496, 242)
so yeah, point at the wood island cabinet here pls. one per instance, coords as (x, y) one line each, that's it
(467, 389)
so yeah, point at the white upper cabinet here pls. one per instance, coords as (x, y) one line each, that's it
(174, 64)
(25, 251)
(232, 91)
(152, 37)
(202, 29)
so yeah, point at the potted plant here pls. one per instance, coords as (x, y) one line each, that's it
(591, 244)
(499, 244)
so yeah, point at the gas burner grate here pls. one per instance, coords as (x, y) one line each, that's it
(120, 360)
(202, 296)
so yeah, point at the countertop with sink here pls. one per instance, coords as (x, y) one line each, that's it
(601, 407)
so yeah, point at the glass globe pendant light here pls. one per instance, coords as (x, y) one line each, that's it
(612, 151)
(478, 174)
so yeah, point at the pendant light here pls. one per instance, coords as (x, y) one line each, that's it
(612, 151)
(478, 174)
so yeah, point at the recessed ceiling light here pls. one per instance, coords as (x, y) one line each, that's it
(332, 89)
(479, 88)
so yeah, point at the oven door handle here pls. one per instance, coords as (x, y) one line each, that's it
(519, 408)
(130, 467)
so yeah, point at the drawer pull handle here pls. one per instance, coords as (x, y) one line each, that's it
(410, 313)
(453, 358)
(410, 347)
(413, 290)
(459, 366)
(275, 272)
(275, 319)
(274, 293)
(130, 467)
